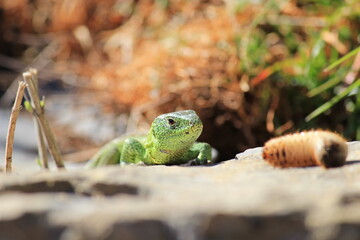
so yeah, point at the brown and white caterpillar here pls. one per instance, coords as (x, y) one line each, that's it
(311, 148)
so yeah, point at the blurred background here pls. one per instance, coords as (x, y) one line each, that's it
(252, 70)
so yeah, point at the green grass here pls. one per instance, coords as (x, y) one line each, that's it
(326, 106)
(318, 67)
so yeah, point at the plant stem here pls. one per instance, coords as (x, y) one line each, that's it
(12, 124)
(39, 134)
(39, 114)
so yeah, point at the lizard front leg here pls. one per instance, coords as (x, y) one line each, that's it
(200, 152)
(132, 152)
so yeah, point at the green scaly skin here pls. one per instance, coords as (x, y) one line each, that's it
(171, 140)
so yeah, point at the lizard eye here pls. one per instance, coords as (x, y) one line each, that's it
(171, 121)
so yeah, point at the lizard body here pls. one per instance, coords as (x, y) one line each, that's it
(170, 140)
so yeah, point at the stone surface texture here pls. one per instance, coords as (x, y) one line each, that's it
(243, 198)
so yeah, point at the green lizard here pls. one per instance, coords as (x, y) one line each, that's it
(171, 140)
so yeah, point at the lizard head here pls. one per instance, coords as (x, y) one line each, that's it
(176, 129)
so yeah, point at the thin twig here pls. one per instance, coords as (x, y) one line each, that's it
(39, 134)
(12, 124)
(39, 114)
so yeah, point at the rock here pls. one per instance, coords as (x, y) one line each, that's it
(224, 226)
(243, 198)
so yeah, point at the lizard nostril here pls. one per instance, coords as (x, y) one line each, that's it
(186, 132)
